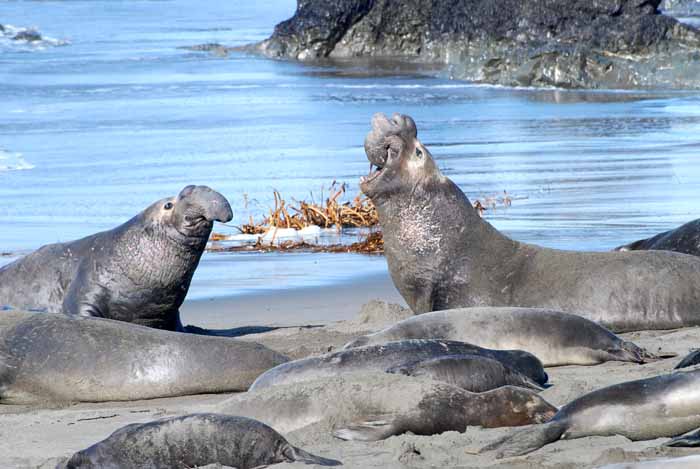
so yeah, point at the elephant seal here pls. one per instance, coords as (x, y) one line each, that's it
(684, 239)
(137, 272)
(693, 358)
(688, 440)
(59, 358)
(554, 337)
(685, 462)
(470, 372)
(193, 441)
(646, 409)
(385, 356)
(442, 254)
(372, 406)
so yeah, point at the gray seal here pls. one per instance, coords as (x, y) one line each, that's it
(684, 239)
(646, 409)
(193, 441)
(385, 356)
(137, 272)
(372, 406)
(470, 372)
(554, 337)
(57, 358)
(441, 254)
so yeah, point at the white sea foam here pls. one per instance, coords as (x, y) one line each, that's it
(13, 162)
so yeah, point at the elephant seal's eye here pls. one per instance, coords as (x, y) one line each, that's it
(168, 206)
(419, 153)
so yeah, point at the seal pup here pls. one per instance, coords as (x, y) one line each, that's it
(554, 337)
(385, 356)
(441, 254)
(138, 272)
(193, 441)
(662, 406)
(470, 372)
(684, 239)
(372, 406)
(57, 358)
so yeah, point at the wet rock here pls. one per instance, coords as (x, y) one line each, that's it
(28, 35)
(571, 44)
(211, 47)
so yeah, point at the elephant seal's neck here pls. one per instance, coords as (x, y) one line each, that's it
(432, 236)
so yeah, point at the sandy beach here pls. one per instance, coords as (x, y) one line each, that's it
(43, 437)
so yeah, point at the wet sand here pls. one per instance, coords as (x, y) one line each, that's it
(41, 437)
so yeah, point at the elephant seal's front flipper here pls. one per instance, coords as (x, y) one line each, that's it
(693, 358)
(370, 430)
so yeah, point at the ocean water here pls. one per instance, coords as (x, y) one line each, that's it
(110, 114)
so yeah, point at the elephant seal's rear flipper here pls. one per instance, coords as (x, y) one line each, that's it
(373, 430)
(299, 455)
(688, 440)
(527, 440)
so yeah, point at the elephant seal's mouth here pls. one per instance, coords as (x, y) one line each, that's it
(373, 173)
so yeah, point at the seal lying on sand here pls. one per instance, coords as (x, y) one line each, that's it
(58, 358)
(442, 254)
(554, 337)
(685, 239)
(689, 440)
(137, 272)
(470, 372)
(193, 441)
(379, 405)
(686, 462)
(385, 356)
(663, 406)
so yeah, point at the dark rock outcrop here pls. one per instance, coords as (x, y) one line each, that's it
(566, 43)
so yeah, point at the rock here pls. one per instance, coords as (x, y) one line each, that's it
(211, 47)
(28, 35)
(571, 44)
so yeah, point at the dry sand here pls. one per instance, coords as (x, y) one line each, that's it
(40, 437)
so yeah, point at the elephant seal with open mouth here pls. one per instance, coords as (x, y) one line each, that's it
(193, 441)
(137, 272)
(56, 358)
(442, 254)
(554, 337)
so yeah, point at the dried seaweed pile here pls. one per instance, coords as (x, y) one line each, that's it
(358, 213)
(331, 213)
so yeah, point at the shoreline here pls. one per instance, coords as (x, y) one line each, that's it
(291, 307)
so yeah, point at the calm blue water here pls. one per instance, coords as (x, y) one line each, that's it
(94, 131)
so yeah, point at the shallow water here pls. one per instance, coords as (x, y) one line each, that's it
(94, 131)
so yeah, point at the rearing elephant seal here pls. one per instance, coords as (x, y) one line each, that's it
(57, 358)
(685, 239)
(645, 409)
(193, 441)
(137, 272)
(442, 254)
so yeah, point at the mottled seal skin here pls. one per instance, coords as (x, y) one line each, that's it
(193, 441)
(554, 337)
(469, 372)
(137, 272)
(663, 406)
(693, 358)
(56, 358)
(442, 254)
(684, 239)
(385, 356)
(372, 406)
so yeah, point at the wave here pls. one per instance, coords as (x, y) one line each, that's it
(13, 162)
(16, 37)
